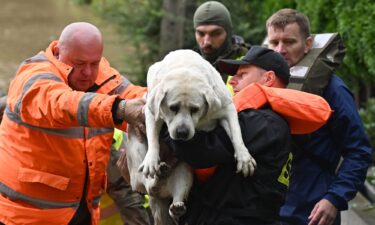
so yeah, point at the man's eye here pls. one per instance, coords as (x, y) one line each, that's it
(272, 43)
(200, 34)
(289, 42)
(239, 76)
(79, 63)
(216, 33)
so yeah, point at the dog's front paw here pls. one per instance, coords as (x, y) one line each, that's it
(176, 210)
(164, 170)
(149, 166)
(245, 162)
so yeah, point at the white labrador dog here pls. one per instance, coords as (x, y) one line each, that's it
(186, 93)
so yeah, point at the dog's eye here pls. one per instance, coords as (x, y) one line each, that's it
(194, 110)
(174, 108)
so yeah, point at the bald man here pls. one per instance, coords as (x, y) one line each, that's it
(57, 130)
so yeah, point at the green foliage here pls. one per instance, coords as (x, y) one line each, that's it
(139, 22)
(367, 114)
(354, 21)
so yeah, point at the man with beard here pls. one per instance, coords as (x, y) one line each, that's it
(213, 34)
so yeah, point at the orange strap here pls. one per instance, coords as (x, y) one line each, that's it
(204, 174)
(304, 112)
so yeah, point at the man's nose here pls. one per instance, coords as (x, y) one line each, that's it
(233, 81)
(206, 40)
(280, 48)
(87, 70)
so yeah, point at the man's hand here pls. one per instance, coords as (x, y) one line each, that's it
(134, 115)
(324, 213)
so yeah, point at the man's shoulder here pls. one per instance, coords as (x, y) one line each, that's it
(263, 115)
(335, 81)
(240, 41)
(261, 126)
(335, 88)
(239, 47)
(37, 64)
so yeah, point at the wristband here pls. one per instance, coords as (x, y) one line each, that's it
(121, 110)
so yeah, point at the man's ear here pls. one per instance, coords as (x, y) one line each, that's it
(308, 44)
(56, 50)
(269, 78)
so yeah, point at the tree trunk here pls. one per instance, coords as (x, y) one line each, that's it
(172, 26)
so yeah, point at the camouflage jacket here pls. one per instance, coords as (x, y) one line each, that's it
(239, 48)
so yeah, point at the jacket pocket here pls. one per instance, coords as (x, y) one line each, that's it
(49, 179)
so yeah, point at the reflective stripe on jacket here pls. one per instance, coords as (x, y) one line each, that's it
(50, 136)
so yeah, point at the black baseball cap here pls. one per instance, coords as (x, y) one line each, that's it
(264, 58)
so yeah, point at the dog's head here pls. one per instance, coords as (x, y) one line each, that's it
(182, 104)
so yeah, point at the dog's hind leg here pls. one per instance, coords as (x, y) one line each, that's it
(135, 154)
(159, 210)
(179, 183)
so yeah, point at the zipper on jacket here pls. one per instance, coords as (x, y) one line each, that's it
(96, 87)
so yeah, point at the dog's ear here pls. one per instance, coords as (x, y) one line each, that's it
(212, 100)
(155, 98)
(156, 89)
(152, 74)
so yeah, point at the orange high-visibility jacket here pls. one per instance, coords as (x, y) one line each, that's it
(50, 136)
(303, 111)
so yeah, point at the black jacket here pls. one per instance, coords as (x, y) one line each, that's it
(228, 198)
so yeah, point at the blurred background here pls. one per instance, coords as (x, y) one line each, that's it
(27, 27)
(139, 32)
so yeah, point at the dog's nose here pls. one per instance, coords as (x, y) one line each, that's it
(182, 133)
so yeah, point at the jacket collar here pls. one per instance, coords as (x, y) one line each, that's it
(63, 68)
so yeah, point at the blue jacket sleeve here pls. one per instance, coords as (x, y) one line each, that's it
(349, 136)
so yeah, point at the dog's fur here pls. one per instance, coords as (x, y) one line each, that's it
(186, 93)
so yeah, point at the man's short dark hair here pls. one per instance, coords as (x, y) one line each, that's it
(284, 17)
